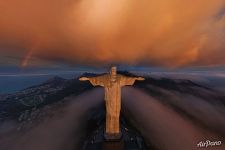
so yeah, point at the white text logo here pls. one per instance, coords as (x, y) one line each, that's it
(208, 143)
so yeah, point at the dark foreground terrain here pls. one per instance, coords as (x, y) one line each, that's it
(159, 113)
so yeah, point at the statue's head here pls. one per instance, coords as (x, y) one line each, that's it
(113, 73)
(113, 70)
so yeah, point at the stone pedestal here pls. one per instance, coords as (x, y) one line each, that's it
(118, 145)
(113, 137)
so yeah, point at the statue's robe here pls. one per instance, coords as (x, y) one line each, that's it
(112, 98)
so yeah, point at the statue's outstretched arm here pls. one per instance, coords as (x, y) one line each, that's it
(140, 78)
(129, 80)
(95, 81)
(84, 79)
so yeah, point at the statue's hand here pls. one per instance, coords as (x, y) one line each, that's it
(83, 79)
(140, 78)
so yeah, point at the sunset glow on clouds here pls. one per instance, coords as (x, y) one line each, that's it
(169, 33)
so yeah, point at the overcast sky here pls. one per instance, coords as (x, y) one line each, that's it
(162, 33)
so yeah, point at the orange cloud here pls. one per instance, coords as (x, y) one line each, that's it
(165, 32)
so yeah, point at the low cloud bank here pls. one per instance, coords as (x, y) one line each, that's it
(63, 130)
(166, 128)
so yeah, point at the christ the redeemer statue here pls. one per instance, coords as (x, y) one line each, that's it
(112, 83)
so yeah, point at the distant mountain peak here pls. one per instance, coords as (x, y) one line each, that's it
(54, 79)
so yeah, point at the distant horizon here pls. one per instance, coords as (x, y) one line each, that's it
(13, 82)
(48, 69)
